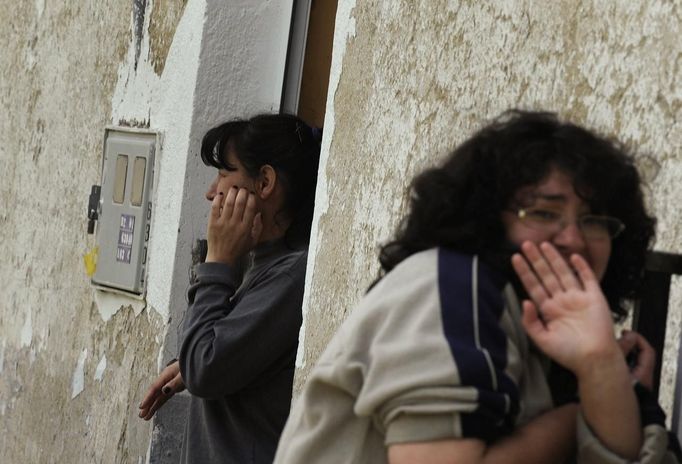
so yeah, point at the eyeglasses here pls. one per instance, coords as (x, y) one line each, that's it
(592, 227)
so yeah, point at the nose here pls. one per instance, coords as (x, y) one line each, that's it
(570, 240)
(213, 189)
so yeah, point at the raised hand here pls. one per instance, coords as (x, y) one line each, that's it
(568, 316)
(234, 226)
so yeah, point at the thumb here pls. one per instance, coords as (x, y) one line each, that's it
(531, 321)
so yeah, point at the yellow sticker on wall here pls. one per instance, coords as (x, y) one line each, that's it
(90, 261)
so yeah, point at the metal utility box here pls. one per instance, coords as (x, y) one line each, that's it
(125, 209)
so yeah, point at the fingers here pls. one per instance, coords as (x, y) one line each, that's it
(234, 231)
(627, 342)
(228, 205)
(164, 386)
(151, 402)
(158, 397)
(176, 385)
(155, 388)
(645, 361)
(587, 277)
(147, 414)
(541, 267)
(239, 205)
(216, 206)
(544, 272)
(236, 212)
(564, 273)
(529, 280)
(532, 322)
(642, 343)
(149, 398)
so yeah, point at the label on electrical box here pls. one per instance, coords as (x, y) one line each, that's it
(125, 238)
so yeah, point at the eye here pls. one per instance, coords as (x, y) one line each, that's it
(542, 215)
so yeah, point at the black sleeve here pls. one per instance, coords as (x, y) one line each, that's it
(226, 346)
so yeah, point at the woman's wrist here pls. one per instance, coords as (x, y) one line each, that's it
(607, 361)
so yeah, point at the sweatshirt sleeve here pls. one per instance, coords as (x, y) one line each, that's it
(226, 346)
(481, 400)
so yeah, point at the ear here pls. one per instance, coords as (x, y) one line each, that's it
(267, 179)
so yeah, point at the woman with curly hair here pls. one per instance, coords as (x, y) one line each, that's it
(489, 337)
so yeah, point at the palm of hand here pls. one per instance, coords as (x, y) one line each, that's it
(568, 316)
(575, 323)
(234, 226)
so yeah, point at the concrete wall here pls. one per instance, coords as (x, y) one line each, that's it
(60, 66)
(75, 362)
(411, 79)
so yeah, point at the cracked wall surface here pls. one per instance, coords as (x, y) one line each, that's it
(411, 79)
(71, 371)
(76, 361)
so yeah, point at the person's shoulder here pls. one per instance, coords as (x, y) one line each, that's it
(437, 265)
(290, 264)
(413, 278)
(417, 264)
(464, 268)
(466, 283)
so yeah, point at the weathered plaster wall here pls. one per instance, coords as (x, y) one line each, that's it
(411, 79)
(73, 363)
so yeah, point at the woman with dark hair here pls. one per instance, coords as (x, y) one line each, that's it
(488, 337)
(241, 329)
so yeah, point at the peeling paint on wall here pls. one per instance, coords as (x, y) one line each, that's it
(344, 30)
(40, 7)
(166, 102)
(101, 367)
(2, 355)
(164, 21)
(139, 12)
(27, 331)
(78, 378)
(59, 64)
(109, 303)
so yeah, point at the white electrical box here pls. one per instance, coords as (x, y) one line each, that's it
(125, 209)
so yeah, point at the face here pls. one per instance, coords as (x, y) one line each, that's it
(555, 195)
(234, 176)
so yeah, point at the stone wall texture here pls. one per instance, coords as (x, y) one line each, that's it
(70, 376)
(412, 78)
(76, 361)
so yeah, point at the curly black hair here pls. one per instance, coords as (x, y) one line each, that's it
(458, 205)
